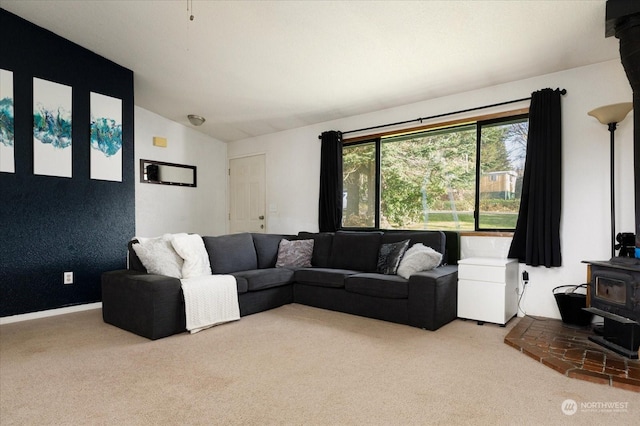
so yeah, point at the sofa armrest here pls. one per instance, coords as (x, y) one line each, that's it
(433, 297)
(146, 304)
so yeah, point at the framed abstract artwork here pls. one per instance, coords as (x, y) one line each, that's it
(7, 138)
(106, 138)
(51, 128)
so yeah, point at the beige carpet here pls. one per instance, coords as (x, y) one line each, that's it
(291, 365)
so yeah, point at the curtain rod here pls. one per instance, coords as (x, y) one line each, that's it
(420, 119)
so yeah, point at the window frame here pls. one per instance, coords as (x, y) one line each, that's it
(479, 125)
(377, 154)
(478, 122)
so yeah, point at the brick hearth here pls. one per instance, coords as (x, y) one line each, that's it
(570, 352)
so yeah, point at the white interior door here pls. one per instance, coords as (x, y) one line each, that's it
(247, 194)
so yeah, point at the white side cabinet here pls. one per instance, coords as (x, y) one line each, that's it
(488, 289)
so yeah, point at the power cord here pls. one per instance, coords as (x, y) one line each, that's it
(525, 281)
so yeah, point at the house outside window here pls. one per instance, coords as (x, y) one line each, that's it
(464, 177)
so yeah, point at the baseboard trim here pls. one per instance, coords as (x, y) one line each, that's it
(50, 313)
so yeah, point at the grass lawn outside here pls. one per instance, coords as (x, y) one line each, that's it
(445, 221)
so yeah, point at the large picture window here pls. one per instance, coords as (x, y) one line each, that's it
(359, 202)
(464, 177)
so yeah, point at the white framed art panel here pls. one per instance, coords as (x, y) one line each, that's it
(7, 123)
(106, 138)
(52, 142)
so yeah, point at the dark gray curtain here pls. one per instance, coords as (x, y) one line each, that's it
(330, 202)
(536, 240)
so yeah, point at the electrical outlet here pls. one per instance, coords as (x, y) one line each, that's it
(525, 276)
(67, 277)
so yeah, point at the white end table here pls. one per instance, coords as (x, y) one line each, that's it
(488, 289)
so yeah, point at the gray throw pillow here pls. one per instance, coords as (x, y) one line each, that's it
(294, 254)
(390, 255)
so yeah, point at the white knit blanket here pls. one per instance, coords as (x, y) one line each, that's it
(210, 300)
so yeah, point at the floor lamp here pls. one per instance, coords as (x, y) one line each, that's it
(611, 115)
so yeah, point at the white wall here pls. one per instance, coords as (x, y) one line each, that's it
(293, 159)
(164, 209)
(485, 246)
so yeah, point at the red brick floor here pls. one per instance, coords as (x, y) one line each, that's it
(569, 351)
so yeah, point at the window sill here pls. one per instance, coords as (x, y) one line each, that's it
(486, 234)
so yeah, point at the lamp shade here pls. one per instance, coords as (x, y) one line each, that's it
(196, 120)
(613, 113)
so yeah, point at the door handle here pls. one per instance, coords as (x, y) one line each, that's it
(261, 217)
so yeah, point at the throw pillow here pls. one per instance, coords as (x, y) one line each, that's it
(158, 256)
(418, 258)
(390, 255)
(294, 254)
(196, 259)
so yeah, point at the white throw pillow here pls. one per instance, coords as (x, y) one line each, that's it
(158, 256)
(418, 258)
(196, 259)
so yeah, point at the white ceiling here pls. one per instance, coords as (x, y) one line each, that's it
(257, 67)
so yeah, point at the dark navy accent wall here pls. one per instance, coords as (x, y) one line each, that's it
(49, 225)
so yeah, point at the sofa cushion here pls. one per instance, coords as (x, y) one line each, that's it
(259, 279)
(323, 277)
(390, 256)
(355, 250)
(321, 247)
(295, 254)
(231, 253)
(378, 285)
(133, 261)
(451, 254)
(266, 249)
(434, 239)
(241, 282)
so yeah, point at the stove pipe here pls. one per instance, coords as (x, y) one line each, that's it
(623, 19)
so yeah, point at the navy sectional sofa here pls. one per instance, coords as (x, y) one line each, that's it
(342, 278)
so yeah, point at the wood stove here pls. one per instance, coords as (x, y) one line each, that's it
(615, 296)
(615, 287)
